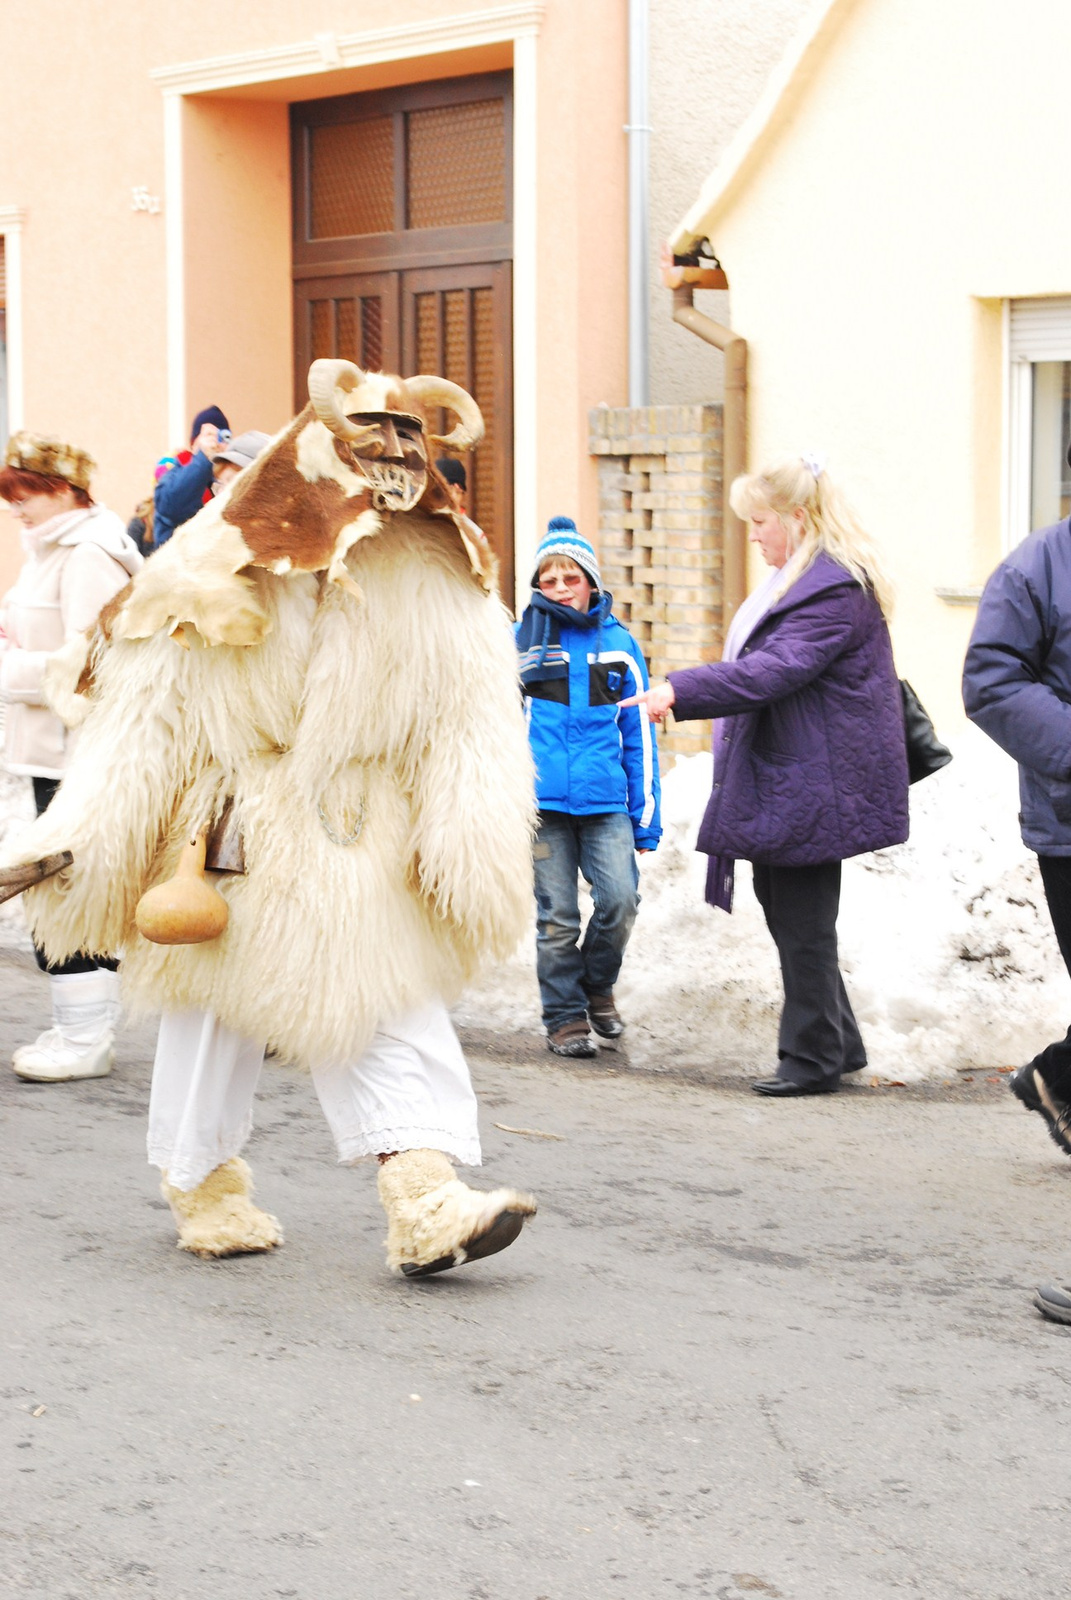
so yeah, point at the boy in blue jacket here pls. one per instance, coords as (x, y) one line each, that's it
(596, 784)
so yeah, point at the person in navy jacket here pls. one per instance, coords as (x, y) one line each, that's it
(1017, 687)
(181, 494)
(596, 784)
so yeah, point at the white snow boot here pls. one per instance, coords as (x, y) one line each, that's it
(85, 1012)
(436, 1221)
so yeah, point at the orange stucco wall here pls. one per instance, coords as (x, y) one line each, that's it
(583, 273)
(95, 301)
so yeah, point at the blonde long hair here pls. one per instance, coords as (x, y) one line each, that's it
(829, 523)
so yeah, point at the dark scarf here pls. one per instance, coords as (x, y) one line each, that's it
(539, 635)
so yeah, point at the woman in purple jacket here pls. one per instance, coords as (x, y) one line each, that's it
(809, 758)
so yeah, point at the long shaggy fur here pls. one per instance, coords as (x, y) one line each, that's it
(431, 1213)
(401, 707)
(218, 1218)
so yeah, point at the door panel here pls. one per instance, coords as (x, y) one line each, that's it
(402, 239)
(457, 322)
(353, 316)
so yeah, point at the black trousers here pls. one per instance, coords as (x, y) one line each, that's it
(819, 1037)
(1054, 1062)
(43, 791)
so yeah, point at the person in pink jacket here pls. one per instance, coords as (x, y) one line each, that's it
(78, 555)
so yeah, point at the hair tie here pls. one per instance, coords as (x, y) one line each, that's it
(815, 463)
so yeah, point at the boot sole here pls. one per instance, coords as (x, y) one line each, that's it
(502, 1232)
(1049, 1308)
(28, 1075)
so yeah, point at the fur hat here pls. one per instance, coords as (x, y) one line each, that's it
(562, 539)
(51, 458)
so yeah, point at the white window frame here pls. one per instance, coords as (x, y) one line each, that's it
(11, 220)
(1034, 330)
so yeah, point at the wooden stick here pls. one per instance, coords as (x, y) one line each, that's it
(13, 880)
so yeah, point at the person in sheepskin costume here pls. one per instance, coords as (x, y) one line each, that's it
(315, 683)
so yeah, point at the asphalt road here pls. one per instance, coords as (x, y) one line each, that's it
(745, 1349)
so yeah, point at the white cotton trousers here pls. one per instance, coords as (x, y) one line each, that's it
(410, 1090)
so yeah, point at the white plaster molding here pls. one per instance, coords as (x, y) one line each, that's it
(525, 319)
(11, 221)
(174, 248)
(464, 31)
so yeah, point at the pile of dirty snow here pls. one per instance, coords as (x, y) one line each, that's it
(945, 942)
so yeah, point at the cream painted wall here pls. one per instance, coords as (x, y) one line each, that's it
(709, 61)
(868, 249)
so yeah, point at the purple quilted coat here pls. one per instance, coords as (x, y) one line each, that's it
(810, 764)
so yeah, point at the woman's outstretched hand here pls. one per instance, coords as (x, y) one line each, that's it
(656, 700)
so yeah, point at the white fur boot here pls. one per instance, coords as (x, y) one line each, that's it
(85, 1012)
(218, 1218)
(436, 1221)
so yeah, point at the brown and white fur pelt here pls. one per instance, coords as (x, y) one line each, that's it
(396, 693)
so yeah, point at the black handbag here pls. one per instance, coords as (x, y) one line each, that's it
(925, 752)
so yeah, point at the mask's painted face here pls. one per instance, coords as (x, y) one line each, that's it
(392, 459)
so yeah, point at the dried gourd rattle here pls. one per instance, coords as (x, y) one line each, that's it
(186, 909)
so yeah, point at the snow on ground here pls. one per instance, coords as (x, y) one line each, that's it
(945, 941)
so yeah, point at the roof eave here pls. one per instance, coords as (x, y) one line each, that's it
(784, 89)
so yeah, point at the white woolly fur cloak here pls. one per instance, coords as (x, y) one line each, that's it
(394, 695)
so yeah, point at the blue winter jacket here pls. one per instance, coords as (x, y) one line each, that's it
(590, 757)
(1017, 680)
(180, 495)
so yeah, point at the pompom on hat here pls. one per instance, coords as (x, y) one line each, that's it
(562, 539)
(51, 458)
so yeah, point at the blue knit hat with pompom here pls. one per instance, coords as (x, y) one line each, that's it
(562, 539)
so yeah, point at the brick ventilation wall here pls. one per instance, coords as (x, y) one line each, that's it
(660, 535)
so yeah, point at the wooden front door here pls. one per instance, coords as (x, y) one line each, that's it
(402, 250)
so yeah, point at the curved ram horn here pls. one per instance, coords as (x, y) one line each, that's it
(327, 379)
(441, 392)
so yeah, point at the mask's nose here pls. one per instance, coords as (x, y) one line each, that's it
(391, 449)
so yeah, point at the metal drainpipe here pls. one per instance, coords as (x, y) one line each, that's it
(734, 441)
(639, 132)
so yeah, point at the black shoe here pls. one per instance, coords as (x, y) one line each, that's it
(1053, 1303)
(603, 1016)
(1030, 1088)
(784, 1088)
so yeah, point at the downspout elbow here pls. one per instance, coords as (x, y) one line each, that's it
(734, 432)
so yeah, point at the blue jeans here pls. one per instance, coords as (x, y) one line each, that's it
(603, 849)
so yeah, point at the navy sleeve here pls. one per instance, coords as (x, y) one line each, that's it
(179, 495)
(1003, 691)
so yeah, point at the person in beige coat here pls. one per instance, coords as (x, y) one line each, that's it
(78, 556)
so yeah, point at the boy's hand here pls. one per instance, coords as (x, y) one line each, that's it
(656, 700)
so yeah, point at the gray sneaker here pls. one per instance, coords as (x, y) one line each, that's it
(1053, 1303)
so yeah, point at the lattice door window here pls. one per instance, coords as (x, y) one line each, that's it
(454, 333)
(350, 327)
